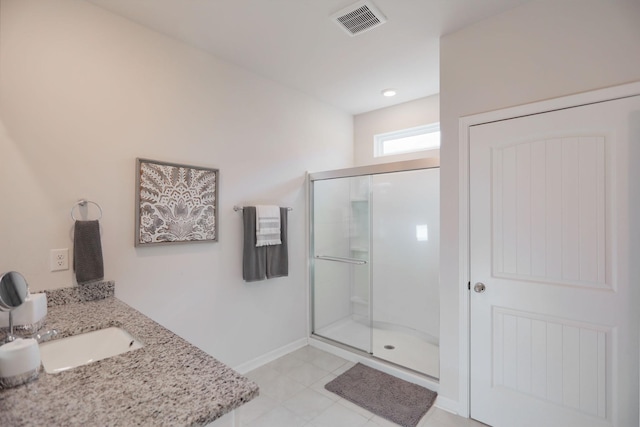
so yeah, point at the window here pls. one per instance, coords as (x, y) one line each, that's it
(421, 138)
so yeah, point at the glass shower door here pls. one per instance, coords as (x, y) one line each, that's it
(405, 272)
(340, 244)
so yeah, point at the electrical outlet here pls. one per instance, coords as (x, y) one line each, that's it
(59, 259)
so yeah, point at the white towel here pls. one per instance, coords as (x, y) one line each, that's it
(267, 225)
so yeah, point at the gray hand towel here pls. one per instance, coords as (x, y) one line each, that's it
(278, 255)
(87, 252)
(263, 262)
(253, 258)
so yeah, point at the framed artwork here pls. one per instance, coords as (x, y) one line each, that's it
(175, 203)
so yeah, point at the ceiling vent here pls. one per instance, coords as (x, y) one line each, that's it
(359, 17)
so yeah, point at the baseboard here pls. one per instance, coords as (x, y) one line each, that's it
(447, 404)
(271, 356)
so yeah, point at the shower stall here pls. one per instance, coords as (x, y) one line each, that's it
(374, 256)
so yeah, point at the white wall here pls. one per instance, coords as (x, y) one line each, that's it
(541, 50)
(82, 94)
(410, 114)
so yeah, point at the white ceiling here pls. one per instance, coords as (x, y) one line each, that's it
(294, 42)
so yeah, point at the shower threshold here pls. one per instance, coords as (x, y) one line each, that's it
(408, 352)
(358, 356)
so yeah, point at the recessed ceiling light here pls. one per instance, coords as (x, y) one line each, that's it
(389, 92)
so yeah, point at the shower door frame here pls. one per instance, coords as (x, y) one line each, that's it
(370, 170)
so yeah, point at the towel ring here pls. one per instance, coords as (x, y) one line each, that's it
(84, 203)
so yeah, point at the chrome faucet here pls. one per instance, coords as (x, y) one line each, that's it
(45, 336)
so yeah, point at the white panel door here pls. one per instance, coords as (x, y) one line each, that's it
(554, 335)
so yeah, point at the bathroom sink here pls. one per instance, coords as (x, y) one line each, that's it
(77, 350)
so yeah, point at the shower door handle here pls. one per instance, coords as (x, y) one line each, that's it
(339, 259)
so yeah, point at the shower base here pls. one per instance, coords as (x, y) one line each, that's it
(409, 350)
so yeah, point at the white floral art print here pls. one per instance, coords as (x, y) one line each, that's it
(175, 203)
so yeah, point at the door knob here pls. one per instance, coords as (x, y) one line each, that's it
(479, 287)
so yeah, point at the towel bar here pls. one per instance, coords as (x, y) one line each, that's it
(83, 202)
(239, 208)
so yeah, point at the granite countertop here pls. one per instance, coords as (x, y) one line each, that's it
(167, 382)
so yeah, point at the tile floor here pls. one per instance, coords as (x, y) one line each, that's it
(292, 394)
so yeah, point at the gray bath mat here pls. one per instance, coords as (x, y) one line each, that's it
(396, 400)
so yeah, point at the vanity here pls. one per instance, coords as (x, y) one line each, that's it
(166, 381)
